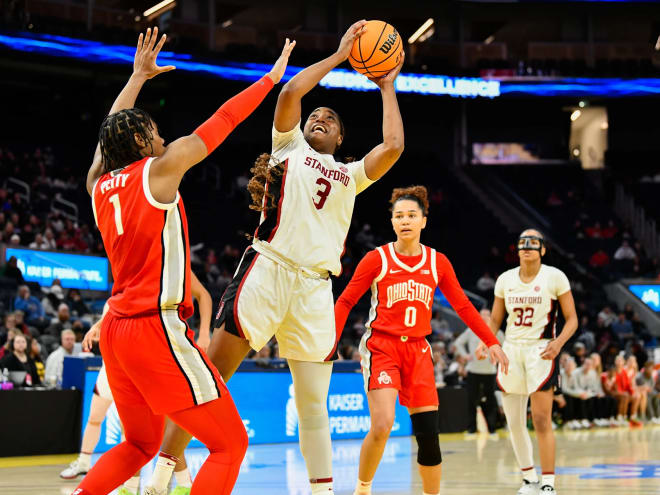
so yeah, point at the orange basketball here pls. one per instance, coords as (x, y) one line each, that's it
(377, 51)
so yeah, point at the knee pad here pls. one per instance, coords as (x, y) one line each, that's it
(425, 429)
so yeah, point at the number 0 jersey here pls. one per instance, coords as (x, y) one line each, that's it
(314, 200)
(402, 291)
(146, 243)
(533, 306)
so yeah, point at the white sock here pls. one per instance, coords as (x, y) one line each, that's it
(183, 478)
(548, 479)
(84, 459)
(530, 475)
(363, 487)
(133, 484)
(160, 478)
(322, 488)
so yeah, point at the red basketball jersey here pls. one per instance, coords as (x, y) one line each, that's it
(146, 242)
(402, 295)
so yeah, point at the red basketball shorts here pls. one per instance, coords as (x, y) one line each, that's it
(404, 364)
(153, 359)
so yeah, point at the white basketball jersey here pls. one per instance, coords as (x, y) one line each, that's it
(314, 201)
(532, 307)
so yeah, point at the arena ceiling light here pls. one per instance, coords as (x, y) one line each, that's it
(422, 33)
(159, 8)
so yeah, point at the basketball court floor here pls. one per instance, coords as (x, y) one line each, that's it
(603, 461)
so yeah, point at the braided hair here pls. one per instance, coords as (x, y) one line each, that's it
(117, 137)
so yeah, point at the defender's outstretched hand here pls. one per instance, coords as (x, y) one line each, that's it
(279, 67)
(146, 53)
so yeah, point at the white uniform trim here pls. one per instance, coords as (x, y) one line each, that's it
(402, 264)
(434, 266)
(147, 191)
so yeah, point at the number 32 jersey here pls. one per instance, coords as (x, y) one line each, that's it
(533, 306)
(313, 203)
(146, 243)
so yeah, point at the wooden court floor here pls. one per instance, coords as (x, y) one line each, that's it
(602, 461)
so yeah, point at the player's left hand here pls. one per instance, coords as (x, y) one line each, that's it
(552, 350)
(92, 336)
(203, 341)
(146, 53)
(497, 356)
(390, 76)
(279, 67)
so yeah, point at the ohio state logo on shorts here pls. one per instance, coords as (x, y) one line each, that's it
(384, 378)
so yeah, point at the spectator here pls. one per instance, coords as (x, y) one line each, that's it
(579, 353)
(595, 232)
(9, 323)
(76, 303)
(607, 316)
(11, 333)
(55, 362)
(34, 312)
(486, 283)
(38, 358)
(440, 327)
(625, 386)
(15, 241)
(49, 240)
(647, 382)
(602, 406)
(625, 252)
(480, 380)
(18, 359)
(577, 405)
(11, 270)
(61, 321)
(39, 242)
(54, 297)
(623, 329)
(439, 363)
(599, 259)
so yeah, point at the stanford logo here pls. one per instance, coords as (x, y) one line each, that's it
(537, 288)
(343, 169)
(389, 43)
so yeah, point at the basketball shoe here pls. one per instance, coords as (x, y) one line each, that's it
(75, 469)
(547, 490)
(528, 488)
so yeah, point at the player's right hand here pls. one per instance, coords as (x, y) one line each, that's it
(353, 33)
(92, 336)
(497, 356)
(144, 63)
(279, 67)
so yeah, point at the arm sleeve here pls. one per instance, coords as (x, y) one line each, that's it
(562, 285)
(233, 112)
(283, 141)
(454, 293)
(359, 175)
(366, 271)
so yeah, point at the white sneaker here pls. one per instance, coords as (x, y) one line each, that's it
(528, 488)
(599, 422)
(585, 423)
(547, 490)
(656, 421)
(150, 490)
(74, 470)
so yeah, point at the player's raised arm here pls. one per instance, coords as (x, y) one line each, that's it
(167, 171)
(144, 68)
(287, 111)
(380, 159)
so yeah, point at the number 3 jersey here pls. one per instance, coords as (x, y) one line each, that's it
(313, 203)
(402, 291)
(146, 243)
(533, 306)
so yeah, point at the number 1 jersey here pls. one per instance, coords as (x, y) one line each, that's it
(146, 243)
(314, 199)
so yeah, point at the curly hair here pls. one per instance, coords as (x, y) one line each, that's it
(117, 137)
(263, 172)
(419, 194)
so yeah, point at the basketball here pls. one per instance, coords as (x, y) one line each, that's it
(377, 51)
